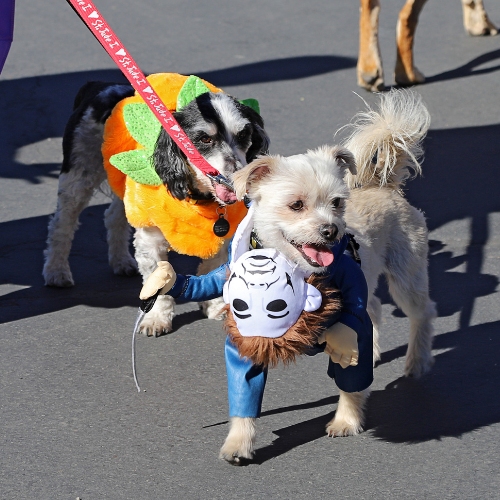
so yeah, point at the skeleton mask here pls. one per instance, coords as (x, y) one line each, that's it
(267, 294)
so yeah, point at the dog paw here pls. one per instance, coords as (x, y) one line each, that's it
(406, 78)
(236, 453)
(59, 279)
(341, 428)
(238, 446)
(125, 267)
(156, 325)
(417, 367)
(213, 309)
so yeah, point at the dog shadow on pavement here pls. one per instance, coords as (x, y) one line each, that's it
(48, 101)
(457, 397)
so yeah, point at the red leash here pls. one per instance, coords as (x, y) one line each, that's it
(111, 43)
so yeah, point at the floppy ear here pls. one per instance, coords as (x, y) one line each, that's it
(170, 164)
(260, 143)
(345, 159)
(249, 176)
(260, 139)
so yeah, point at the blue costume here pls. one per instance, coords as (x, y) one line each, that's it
(246, 381)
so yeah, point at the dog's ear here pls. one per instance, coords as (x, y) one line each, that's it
(345, 159)
(249, 176)
(170, 164)
(260, 143)
(260, 139)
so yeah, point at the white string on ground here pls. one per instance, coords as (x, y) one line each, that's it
(140, 316)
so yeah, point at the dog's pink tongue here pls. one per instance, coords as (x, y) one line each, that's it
(224, 194)
(322, 255)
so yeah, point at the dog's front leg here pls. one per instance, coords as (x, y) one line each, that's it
(150, 248)
(118, 236)
(350, 415)
(369, 68)
(240, 441)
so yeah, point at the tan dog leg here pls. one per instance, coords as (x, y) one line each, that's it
(350, 415)
(369, 68)
(406, 73)
(476, 20)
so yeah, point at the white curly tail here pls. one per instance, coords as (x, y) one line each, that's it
(387, 142)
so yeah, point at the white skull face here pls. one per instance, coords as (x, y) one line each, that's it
(267, 294)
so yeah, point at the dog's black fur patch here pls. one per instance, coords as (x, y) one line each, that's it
(101, 97)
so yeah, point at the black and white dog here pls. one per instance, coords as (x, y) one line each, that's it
(226, 132)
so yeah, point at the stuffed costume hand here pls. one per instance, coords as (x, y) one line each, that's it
(160, 281)
(341, 344)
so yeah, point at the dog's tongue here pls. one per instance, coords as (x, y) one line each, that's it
(225, 194)
(320, 254)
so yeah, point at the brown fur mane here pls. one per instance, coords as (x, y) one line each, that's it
(303, 334)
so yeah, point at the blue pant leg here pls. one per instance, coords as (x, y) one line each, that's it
(245, 384)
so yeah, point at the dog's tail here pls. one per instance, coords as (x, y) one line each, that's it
(387, 142)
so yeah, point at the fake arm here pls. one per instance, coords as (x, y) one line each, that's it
(341, 344)
(160, 281)
(164, 280)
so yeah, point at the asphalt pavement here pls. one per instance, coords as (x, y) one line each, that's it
(72, 424)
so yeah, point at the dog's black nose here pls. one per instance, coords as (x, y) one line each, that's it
(329, 231)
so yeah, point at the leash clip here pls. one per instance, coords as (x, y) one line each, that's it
(220, 179)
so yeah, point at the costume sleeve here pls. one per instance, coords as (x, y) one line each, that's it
(351, 282)
(349, 278)
(197, 288)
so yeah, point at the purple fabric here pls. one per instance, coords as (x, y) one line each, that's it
(6, 28)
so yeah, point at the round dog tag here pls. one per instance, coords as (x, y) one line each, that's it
(221, 226)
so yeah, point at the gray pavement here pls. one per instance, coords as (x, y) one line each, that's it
(71, 421)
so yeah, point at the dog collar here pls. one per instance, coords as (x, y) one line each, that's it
(255, 243)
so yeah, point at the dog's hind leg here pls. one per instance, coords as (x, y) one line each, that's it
(405, 72)
(375, 312)
(411, 294)
(151, 247)
(350, 415)
(240, 441)
(118, 237)
(74, 193)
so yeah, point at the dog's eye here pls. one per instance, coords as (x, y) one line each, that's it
(336, 203)
(243, 134)
(297, 206)
(206, 139)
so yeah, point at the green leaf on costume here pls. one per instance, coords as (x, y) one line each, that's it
(144, 127)
(252, 103)
(137, 165)
(192, 88)
(142, 124)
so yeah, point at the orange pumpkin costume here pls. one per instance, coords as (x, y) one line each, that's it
(188, 227)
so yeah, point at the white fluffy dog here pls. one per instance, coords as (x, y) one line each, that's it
(295, 197)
